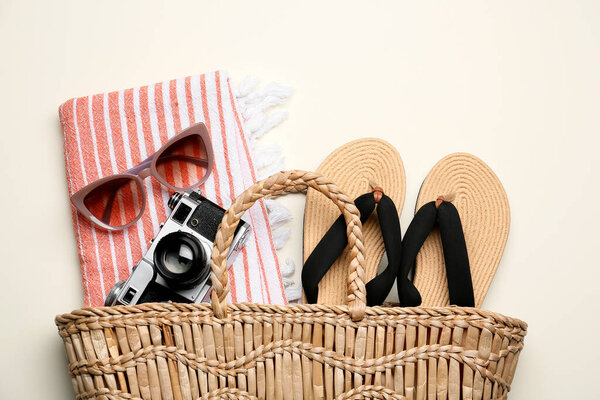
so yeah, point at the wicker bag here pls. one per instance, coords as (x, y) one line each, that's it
(250, 351)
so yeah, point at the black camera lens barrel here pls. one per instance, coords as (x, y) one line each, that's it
(171, 244)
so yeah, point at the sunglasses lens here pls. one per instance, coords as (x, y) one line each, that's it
(117, 202)
(184, 163)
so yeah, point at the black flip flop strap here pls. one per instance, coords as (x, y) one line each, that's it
(458, 272)
(334, 241)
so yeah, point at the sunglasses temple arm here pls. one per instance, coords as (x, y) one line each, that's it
(146, 163)
(194, 160)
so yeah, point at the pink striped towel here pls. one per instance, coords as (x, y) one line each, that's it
(111, 132)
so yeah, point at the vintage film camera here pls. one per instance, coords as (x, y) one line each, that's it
(176, 267)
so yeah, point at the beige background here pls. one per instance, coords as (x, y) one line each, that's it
(516, 83)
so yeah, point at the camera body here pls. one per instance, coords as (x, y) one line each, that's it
(176, 267)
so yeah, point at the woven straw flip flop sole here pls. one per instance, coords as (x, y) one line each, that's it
(481, 201)
(351, 167)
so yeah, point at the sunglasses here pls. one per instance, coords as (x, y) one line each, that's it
(118, 201)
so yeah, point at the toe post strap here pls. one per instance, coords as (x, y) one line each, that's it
(445, 216)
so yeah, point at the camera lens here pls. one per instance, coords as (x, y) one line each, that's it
(178, 260)
(181, 260)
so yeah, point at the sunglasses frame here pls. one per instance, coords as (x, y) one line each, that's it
(141, 171)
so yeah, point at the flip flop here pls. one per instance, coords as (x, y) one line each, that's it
(479, 197)
(352, 167)
(333, 243)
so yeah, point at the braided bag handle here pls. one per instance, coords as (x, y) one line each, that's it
(278, 184)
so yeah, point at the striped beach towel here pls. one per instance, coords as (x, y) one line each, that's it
(109, 133)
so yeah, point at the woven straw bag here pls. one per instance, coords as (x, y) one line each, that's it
(250, 351)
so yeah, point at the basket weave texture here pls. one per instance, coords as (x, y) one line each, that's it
(254, 351)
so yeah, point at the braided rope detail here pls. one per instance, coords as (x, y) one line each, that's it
(370, 392)
(361, 392)
(318, 354)
(276, 185)
(228, 393)
(89, 318)
(515, 333)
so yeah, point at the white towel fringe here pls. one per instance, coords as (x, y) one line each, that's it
(255, 106)
(278, 213)
(293, 291)
(267, 154)
(280, 237)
